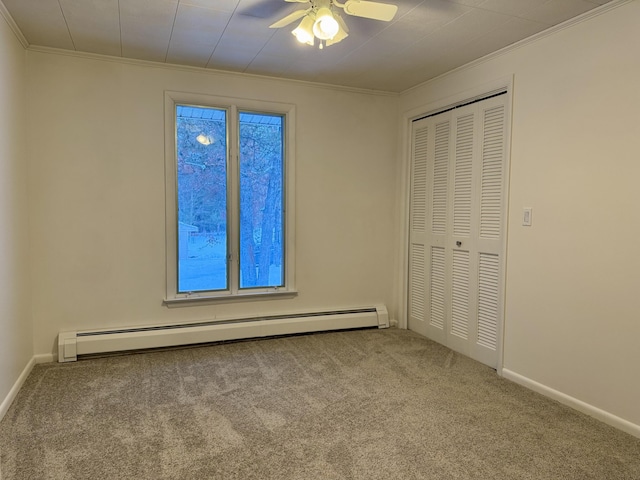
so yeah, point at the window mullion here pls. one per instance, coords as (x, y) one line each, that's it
(233, 201)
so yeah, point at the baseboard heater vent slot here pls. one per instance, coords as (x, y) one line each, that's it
(77, 343)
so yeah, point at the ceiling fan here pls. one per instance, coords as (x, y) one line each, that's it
(321, 20)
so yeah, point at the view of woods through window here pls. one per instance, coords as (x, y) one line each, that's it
(216, 219)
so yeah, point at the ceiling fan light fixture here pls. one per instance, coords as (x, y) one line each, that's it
(304, 31)
(325, 27)
(322, 21)
(343, 32)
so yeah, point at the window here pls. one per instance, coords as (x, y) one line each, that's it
(229, 173)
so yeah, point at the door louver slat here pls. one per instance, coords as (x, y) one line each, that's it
(489, 271)
(491, 176)
(463, 176)
(460, 294)
(419, 181)
(417, 292)
(440, 180)
(437, 287)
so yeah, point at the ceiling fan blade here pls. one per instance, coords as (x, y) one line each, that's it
(373, 10)
(292, 17)
(342, 23)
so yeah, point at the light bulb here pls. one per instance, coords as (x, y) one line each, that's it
(325, 26)
(303, 32)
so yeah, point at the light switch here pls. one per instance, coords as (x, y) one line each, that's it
(526, 216)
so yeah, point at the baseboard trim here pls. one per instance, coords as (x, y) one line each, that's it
(44, 358)
(6, 403)
(35, 360)
(597, 413)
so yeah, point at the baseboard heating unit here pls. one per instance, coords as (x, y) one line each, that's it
(73, 344)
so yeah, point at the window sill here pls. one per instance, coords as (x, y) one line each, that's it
(195, 300)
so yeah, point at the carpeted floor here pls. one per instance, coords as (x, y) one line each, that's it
(369, 404)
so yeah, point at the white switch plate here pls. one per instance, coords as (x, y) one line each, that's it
(526, 216)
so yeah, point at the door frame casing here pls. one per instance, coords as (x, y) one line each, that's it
(408, 117)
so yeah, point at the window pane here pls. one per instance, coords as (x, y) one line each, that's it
(261, 199)
(201, 141)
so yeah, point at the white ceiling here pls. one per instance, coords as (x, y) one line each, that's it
(425, 39)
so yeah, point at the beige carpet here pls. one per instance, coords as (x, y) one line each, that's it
(369, 404)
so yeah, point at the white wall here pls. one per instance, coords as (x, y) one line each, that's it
(97, 193)
(573, 278)
(16, 344)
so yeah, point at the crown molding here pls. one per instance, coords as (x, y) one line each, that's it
(595, 12)
(4, 13)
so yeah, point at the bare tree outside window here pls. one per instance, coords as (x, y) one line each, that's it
(261, 222)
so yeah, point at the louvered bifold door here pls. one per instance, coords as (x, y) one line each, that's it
(461, 243)
(491, 218)
(418, 252)
(438, 221)
(429, 218)
(457, 223)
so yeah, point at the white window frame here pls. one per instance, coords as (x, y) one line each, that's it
(233, 106)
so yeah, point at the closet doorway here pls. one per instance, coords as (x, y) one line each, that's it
(457, 226)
